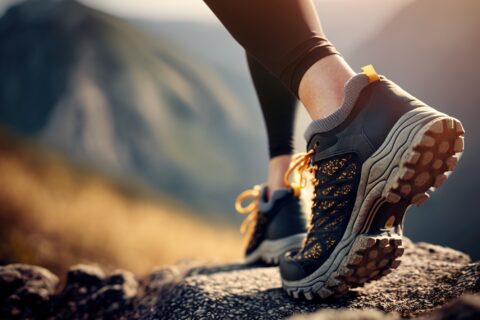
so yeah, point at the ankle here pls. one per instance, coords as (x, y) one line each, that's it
(277, 167)
(322, 87)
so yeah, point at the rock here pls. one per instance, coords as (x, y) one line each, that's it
(331, 314)
(90, 293)
(429, 278)
(28, 292)
(25, 291)
(463, 308)
(125, 282)
(85, 276)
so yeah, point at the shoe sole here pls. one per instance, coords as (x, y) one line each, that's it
(419, 151)
(270, 251)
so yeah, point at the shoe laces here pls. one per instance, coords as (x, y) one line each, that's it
(299, 172)
(332, 188)
(296, 177)
(252, 197)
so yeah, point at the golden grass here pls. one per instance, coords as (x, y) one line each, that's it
(54, 214)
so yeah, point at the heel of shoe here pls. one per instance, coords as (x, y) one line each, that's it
(418, 157)
(425, 165)
(433, 149)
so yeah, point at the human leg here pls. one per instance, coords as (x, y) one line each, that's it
(278, 107)
(276, 221)
(287, 38)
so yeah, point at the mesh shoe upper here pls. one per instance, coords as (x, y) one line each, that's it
(335, 181)
(270, 219)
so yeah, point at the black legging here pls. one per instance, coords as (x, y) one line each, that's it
(283, 35)
(283, 38)
(278, 107)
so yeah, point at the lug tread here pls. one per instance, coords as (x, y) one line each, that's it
(374, 263)
(438, 150)
(365, 263)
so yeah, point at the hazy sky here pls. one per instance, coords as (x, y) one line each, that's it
(165, 9)
(371, 15)
(191, 9)
(196, 9)
(367, 15)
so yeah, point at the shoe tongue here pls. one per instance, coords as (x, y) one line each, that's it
(353, 87)
(265, 203)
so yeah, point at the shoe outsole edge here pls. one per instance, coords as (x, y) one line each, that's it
(270, 251)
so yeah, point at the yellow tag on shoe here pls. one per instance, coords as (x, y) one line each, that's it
(370, 72)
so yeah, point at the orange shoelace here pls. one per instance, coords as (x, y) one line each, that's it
(297, 171)
(251, 210)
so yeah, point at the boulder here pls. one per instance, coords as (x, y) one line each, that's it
(25, 291)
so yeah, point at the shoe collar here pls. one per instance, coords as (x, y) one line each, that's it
(352, 91)
(265, 204)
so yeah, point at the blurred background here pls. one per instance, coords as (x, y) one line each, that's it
(127, 128)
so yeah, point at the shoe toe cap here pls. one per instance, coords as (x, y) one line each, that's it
(290, 269)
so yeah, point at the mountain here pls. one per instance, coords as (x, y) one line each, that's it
(111, 96)
(213, 44)
(431, 48)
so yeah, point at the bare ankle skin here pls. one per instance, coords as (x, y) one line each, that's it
(321, 92)
(277, 167)
(321, 88)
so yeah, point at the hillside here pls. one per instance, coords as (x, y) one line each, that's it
(431, 48)
(117, 99)
(56, 214)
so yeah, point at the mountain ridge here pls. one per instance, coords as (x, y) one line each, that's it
(125, 102)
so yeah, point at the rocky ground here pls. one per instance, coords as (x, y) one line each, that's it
(432, 282)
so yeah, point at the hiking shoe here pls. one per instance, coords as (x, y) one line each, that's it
(273, 226)
(388, 151)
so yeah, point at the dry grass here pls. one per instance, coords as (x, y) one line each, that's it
(55, 215)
